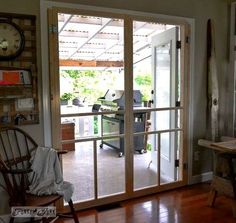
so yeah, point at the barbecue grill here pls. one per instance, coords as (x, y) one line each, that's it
(114, 100)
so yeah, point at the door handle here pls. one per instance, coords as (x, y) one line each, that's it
(151, 101)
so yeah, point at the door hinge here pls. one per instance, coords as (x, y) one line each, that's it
(177, 104)
(187, 39)
(176, 163)
(52, 28)
(178, 44)
(185, 166)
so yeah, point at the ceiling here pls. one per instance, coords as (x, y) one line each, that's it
(89, 41)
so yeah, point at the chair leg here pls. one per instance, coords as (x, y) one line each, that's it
(234, 207)
(73, 211)
(212, 197)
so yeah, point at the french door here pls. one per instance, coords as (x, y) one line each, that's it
(166, 96)
(132, 55)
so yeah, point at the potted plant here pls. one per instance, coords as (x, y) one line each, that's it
(65, 98)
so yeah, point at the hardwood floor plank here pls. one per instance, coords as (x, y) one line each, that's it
(183, 205)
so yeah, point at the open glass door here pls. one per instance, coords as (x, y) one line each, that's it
(156, 75)
(165, 97)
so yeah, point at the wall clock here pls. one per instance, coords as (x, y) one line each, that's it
(12, 40)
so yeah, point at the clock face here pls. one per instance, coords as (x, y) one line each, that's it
(11, 40)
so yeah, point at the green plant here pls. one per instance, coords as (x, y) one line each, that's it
(89, 85)
(144, 83)
(149, 147)
(67, 96)
(95, 124)
(144, 80)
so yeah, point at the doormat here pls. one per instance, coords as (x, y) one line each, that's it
(108, 207)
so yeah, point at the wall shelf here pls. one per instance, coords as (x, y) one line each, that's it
(18, 77)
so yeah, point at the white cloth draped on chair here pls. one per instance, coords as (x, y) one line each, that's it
(46, 176)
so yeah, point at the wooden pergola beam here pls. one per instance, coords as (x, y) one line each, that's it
(90, 63)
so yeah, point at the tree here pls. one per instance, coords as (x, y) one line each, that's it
(144, 82)
(89, 85)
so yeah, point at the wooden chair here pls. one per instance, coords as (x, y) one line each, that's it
(15, 153)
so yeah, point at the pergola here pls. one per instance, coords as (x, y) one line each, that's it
(98, 42)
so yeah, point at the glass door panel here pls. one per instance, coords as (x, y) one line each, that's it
(163, 76)
(165, 64)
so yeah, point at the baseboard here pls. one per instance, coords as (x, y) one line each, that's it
(201, 178)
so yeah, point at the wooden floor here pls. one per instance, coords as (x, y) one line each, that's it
(185, 205)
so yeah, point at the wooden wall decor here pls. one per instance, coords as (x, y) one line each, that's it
(18, 72)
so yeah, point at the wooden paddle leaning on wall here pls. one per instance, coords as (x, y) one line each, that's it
(212, 86)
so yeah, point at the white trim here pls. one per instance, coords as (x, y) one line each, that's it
(49, 4)
(201, 178)
(191, 99)
(44, 5)
(45, 75)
